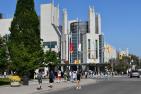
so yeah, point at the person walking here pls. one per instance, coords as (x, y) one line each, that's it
(78, 80)
(74, 76)
(65, 76)
(51, 78)
(59, 76)
(71, 76)
(39, 78)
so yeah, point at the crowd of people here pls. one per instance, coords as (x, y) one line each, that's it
(73, 76)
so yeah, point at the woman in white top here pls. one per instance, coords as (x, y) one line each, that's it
(59, 76)
(74, 76)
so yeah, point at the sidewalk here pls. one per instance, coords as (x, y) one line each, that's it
(31, 88)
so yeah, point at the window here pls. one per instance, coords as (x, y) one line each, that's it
(89, 48)
(51, 44)
(96, 27)
(96, 48)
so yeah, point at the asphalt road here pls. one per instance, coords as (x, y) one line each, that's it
(122, 85)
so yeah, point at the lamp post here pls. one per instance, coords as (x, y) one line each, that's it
(132, 65)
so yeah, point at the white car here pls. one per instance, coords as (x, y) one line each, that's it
(134, 73)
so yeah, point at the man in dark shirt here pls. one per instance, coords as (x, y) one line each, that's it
(78, 80)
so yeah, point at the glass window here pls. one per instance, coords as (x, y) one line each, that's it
(51, 44)
(96, 48)
(89, 47)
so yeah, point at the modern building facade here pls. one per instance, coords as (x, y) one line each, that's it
(65, 39)
(109, 53)
(84, 41)
(49, 27)
(101, 48)
(0, 15)
(78, 30)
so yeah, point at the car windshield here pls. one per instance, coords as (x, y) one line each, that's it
(135, 71)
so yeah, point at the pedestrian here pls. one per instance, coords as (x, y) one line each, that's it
(65, 76)
(59, 76)
(5, 74)
(39, 78)
(78, 80)
(74, 76)
(51, 78)
(71, 76)
(86, 74)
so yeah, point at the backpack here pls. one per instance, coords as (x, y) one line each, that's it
(39, 76)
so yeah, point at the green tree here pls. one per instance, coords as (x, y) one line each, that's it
(125, 61)
(121, 67)
(51, 56)
(3, 55)
(24, 41)
(135, 59)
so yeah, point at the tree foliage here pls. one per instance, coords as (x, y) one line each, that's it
(121, 67)
(3, 54)
(135, 60)
(51, 56)
(24, 42)
(126, 62)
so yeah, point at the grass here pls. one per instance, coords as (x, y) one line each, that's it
(4, 81)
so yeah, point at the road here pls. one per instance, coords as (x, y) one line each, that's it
(121, 85)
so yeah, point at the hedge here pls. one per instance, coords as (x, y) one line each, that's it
(4, 81)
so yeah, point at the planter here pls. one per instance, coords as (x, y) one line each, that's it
(15, 83)
(25, 80)
(14, 80)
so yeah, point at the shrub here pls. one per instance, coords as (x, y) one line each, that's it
(4, 81)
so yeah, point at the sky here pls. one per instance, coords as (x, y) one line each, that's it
(121, 19)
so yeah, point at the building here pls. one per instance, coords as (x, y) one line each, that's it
(65, 39)
(49, 27)
(5, 26)
(123, 53)
(85, 37)
(0, 15)
(80, 42)
(101, 48)
(109, 53)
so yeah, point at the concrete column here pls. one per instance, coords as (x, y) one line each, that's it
(98, 70)
(62, 68)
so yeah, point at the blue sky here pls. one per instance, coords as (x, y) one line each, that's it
(121, 19)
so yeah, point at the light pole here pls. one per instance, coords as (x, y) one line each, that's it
(132, 65)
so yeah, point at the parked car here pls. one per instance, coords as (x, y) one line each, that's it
(139, 71)
(135, 73)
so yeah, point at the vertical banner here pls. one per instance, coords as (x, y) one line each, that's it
(71, 48)
(79, 47)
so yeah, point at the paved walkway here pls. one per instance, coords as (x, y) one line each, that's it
(31, 88)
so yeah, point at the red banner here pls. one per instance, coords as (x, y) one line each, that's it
(71, 48)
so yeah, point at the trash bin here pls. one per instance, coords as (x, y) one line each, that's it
(25, 80)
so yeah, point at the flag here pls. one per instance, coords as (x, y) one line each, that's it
(79, 47)
(71, 48)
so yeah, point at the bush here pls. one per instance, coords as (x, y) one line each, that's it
(4, 81)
